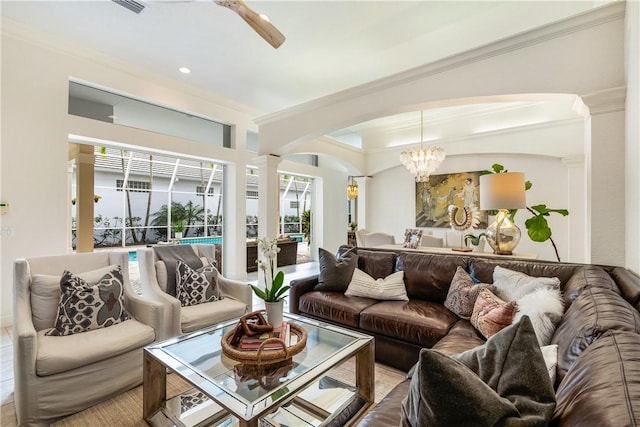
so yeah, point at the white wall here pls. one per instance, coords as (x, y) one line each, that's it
(393, 210)
(632, 146)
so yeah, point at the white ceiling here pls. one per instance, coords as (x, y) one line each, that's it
(330, 45)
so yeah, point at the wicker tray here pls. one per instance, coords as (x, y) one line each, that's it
(267, 357)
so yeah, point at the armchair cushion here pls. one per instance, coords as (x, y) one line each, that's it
(196, 286)
(64, 353)
(202, 315)
(84, 307)
(45, 295)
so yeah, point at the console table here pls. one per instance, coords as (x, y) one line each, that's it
(435, 250)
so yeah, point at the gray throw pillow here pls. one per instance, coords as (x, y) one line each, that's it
(501, 383)
(195, 287)
(84, 307)
(335, 272)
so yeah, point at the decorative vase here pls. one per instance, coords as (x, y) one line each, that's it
(274, 313)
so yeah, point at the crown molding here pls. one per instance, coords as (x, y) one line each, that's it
(606, 100)
(593, 18)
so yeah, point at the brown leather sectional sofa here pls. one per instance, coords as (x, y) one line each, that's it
(599, 387)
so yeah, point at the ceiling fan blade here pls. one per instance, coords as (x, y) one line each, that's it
(262, 26)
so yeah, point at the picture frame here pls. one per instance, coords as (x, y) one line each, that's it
(412, 237)
(434, 196)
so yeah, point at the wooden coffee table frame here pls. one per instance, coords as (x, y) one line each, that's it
(155, 382)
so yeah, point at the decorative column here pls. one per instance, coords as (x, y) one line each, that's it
(234, 257)
(85, 161)
(268, 201)
(361, 201)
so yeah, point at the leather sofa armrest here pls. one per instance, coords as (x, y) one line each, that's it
(298, 288)
(389, 411)
(629, 285)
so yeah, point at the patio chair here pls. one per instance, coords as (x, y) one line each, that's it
(158, 273)
(57, 376)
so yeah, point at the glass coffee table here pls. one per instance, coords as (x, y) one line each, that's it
(308, 392)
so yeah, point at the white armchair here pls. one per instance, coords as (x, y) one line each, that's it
(178, 320)
(59, 375)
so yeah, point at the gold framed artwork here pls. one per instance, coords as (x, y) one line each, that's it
(434, 197)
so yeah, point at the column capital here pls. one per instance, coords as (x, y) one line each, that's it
(606, 100)
(573, 161)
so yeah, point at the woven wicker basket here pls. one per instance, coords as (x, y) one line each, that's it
(267, 357)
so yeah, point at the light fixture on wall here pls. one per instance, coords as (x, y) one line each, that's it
(503, 191)
(352, 189)
(425, 161)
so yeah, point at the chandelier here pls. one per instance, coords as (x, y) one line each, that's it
(425, 161)
(352, 189)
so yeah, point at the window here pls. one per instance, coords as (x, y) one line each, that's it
(252, 194)
(294, 204)
(134, 186)
(200, 190)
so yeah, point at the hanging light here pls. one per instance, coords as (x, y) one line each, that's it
(425, 161)
(352, 189)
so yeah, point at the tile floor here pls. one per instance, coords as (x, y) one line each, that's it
(7, 409)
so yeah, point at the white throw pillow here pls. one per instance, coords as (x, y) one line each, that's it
(550, 354)
(389, 288)
(511, 285)
(544, 307)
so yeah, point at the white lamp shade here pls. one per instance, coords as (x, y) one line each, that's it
(502, 191)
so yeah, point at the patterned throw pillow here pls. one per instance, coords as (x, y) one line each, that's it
(196, 286)
(391, 288)
(491, 314)
(84, 307)
(463, 293)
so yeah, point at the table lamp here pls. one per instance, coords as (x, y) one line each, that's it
(501, 192)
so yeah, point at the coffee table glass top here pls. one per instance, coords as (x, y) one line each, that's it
(198, 357)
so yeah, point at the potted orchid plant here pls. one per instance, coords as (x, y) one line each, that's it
(274, 291)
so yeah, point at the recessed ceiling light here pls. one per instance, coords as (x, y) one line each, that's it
(184, 70)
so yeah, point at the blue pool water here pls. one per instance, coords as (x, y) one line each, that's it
(133, 256)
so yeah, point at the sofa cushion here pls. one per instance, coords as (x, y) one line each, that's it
(629, 284)
(377, 264)
(334, 306)
(503, 382)
(587, 277)
(602, 388)
(419, 322)
(335, 271)
(482, 268)
(57, 354)
(428, 276)
(389, 288)
(512, 284)
(84, 307)
(196, 286)
(544, 307)
(491, 314)
(461, 337)
(45, 294)
(463, 292)
(595, 311)
(209, 313)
